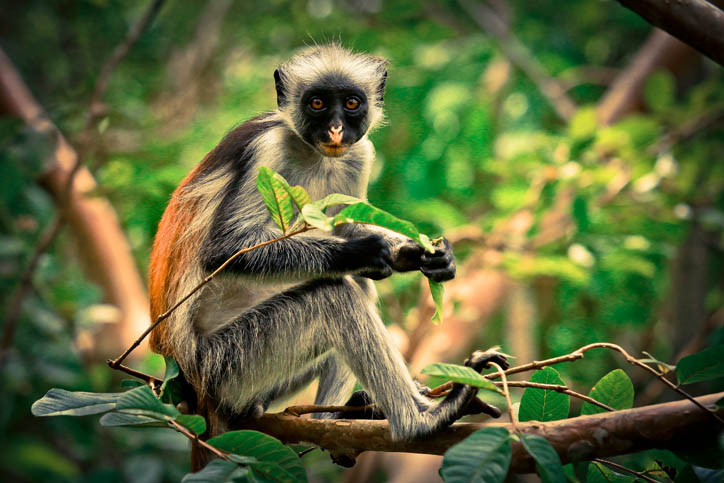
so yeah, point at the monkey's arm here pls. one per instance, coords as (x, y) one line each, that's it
(405, 254)
(301, 257)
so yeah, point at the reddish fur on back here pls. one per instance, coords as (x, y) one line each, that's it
(170, 258)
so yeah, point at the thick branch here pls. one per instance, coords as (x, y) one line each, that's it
(92, 218)
(697, 23)
(582, 438)
(624, 96)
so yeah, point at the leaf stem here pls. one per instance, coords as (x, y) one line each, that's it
(194, 438)
(506, 391)
(639, 474)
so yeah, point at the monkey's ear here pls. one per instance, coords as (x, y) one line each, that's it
(281, 94)
(381, 86)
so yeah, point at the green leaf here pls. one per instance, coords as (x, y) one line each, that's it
(170, 388)
(366, 213)
(276, 198)
(264, 448)
(194, 422)
(142, 401)
(314, 216)
(461, 374)
(615, 389)
(298, 194)
(482, 457)
(547, 460)
(336, 199)
(437, 290)
(598, 473)
(544, 404)
(218, 471)
(123, 419)
(59, 402)
(172, 369)
(702, 366)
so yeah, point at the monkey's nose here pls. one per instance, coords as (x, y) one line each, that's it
(335, 134)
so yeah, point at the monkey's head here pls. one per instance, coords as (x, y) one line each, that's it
(331, 97)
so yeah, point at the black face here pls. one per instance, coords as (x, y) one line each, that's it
(335, 116)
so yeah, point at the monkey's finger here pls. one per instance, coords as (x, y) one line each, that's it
(439, 274)
(478, 406)
(436, 262)
(377, 274)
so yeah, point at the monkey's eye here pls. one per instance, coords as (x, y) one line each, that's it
(352, 103)
(316, 103)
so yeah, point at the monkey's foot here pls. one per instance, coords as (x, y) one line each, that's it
(362, 400)
(480, 360)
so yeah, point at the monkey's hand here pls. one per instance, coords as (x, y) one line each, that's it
(371, 255)
(439, 266)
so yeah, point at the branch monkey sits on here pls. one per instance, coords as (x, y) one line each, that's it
(305, 307)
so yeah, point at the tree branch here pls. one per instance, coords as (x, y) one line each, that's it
(582, 438)
(19, 101)
(698, 23)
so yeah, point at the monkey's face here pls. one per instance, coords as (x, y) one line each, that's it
(334, 116)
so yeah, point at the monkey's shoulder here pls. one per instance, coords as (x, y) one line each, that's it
(233, 150)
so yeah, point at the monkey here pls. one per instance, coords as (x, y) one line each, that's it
(302, 308)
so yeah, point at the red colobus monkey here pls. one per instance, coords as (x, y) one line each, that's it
(302, 308)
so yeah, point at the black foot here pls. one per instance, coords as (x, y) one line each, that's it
(480, 359)
(359, 399)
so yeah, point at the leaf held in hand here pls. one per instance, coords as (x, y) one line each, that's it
(437, 290)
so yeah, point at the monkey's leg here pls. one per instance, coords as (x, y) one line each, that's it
(246, 358)
(363, 342)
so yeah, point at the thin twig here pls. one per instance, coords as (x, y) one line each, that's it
(632, 360)
(557, 388)
(119, 53)
(313, 408)
(639, 474)
(506, 391)
(53, 230)
(152, 381)
(578, 354)
(116, 362)
(196, 439)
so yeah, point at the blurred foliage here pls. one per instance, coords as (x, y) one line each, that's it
(468, 141)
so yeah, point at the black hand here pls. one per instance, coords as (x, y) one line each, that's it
(439, 266)
(408, 257)
(371, 255)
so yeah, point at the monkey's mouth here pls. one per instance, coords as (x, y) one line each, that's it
(333, 150)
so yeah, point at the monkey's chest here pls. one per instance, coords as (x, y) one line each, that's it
(331, 175)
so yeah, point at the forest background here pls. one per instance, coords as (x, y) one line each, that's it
(573, 156)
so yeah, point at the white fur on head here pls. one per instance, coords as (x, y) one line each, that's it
(313, 63)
